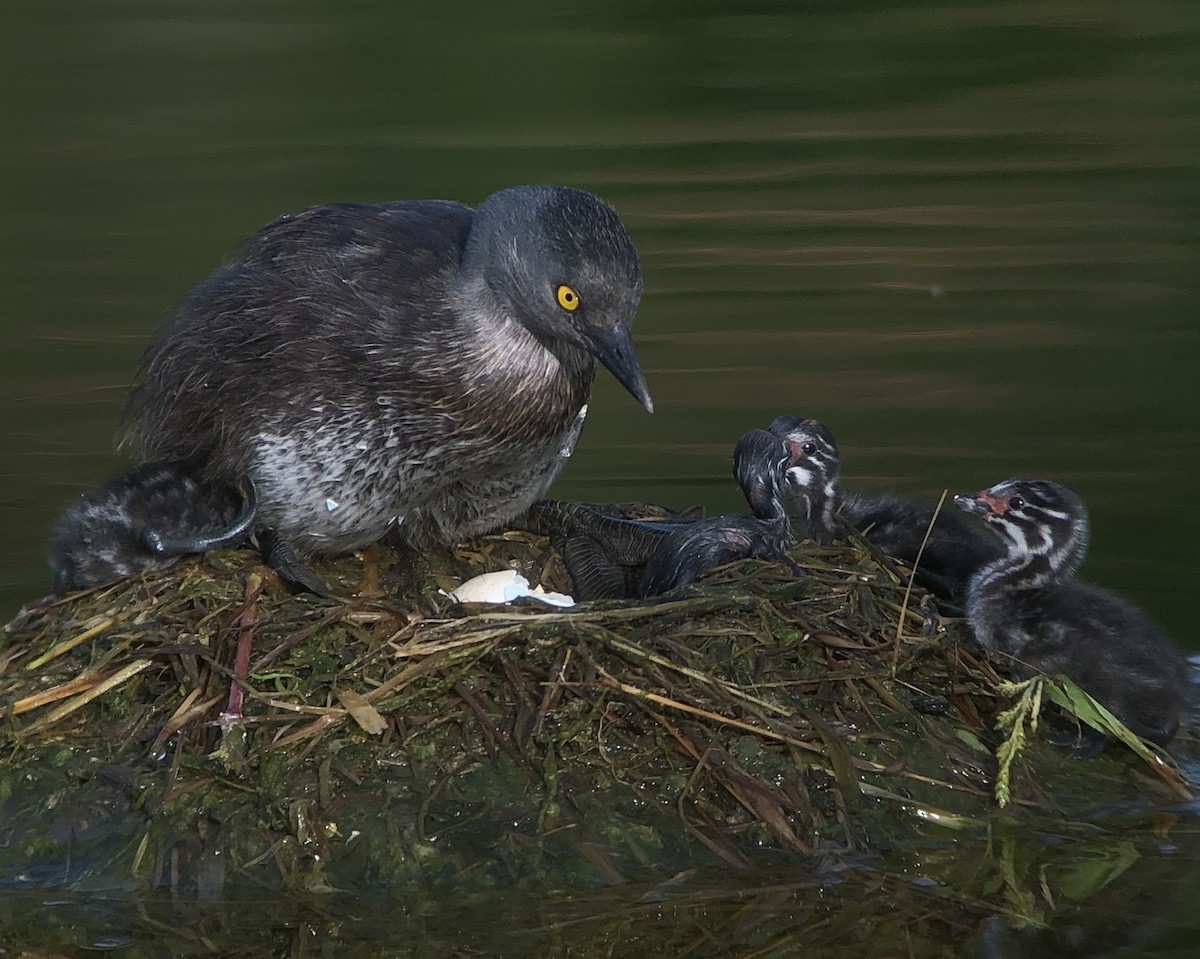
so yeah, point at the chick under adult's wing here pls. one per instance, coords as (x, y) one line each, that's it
(144, 520)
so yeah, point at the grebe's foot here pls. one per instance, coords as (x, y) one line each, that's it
(282, 558)
(593, 574)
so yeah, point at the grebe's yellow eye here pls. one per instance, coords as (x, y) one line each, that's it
(568, 299)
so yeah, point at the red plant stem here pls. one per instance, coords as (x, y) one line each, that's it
(241, 662)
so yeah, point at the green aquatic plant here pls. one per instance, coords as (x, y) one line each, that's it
(1020, 722)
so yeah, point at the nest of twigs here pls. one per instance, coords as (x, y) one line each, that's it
(394, 735)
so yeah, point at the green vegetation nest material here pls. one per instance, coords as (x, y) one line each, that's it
(394, 736)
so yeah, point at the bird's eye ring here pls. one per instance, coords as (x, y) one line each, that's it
(808, 449)
(1016, 503)
(568, 299)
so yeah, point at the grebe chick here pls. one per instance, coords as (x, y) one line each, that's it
(895, 525)
(144, 520)
(1028, 607)
(760, 463)
(419, 367)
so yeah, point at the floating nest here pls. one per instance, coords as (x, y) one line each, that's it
(390, 736)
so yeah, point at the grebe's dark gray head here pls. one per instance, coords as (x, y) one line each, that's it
(760, 464)
(813, 472)
(559, 261)
(1038, 520)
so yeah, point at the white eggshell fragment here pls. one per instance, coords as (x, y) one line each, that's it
(504, 587)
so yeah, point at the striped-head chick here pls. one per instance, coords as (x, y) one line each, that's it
(814, 472)
(1040, 522)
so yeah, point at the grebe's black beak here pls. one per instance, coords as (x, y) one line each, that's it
(614, 348)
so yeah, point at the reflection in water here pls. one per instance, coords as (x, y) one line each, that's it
(1110, 900)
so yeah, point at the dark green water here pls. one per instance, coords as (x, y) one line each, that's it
(965, 235)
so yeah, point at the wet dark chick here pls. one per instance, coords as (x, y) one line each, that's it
(417, 368)
(145, 520)
(1029, 608)
(760, 463)
(895, 525)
